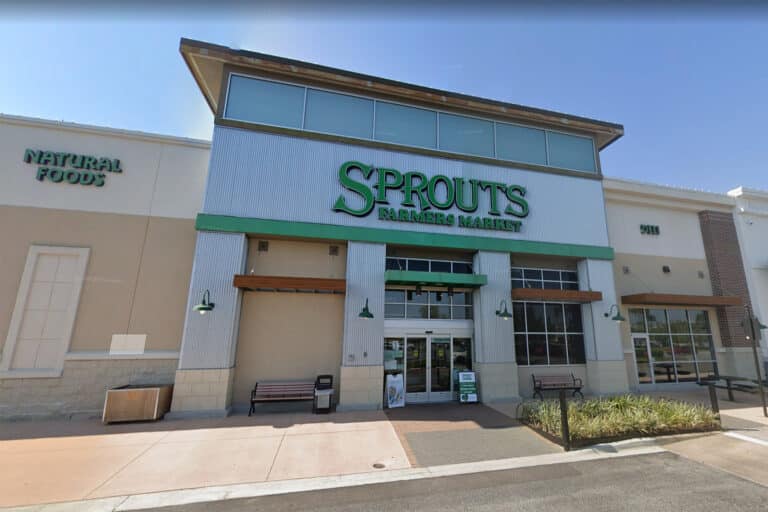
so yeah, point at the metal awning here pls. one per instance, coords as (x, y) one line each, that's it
(411, 277)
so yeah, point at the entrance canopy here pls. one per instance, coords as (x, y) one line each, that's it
(412, 277)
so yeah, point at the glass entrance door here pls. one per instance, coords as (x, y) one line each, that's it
(440, 369)
(416, 370)
(428, 369)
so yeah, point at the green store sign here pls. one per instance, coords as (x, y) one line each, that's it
(426, 199)
(71, 168)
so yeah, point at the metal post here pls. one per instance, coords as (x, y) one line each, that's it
(753, 339)
(713, 399)
(564, 421)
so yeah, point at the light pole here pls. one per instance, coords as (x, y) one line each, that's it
(753, 335)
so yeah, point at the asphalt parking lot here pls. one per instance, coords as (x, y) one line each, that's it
(658, 482)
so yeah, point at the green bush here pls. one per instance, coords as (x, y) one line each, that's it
(619, 416)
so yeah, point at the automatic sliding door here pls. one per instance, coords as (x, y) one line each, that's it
(440, 369)
(416, 370)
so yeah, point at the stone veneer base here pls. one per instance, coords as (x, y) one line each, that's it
(202, 392)
(497, 382)
(81, 388)
(361, 388)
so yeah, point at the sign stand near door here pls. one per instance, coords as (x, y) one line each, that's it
(467, 388)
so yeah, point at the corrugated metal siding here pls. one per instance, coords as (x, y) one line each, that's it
(365, 279)
(210, 341)
(269, 176)
(494, 337)
(602, 336)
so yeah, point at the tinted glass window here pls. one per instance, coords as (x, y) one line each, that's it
(406, 125)
(462, 268)
(340, 114)
(521, 144)
(466, 135)
(535, 317)
(441, 266)
(571, 152)
(395, 264)
(573, 317)
(418, 265)
(260, 101)
(555, 320)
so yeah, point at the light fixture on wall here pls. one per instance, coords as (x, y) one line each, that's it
(505, 314)
(617, 317)
(206, 305)
(366, 313)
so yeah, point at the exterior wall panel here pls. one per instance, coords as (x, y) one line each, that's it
(364, 339)
(494, 337)
(210, 340)
(268, 176)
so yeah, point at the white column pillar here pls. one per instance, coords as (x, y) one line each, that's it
(361, 383)
(606, 368)
(494, 337)
(206, 362)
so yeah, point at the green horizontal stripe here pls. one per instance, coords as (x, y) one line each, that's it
(228, 224)
(436, 278)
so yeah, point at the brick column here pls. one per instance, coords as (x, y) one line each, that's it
(726, 272)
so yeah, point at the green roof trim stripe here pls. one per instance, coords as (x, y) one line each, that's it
(435, 278)
(229, 224)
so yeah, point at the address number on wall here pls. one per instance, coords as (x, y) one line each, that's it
(649, 229)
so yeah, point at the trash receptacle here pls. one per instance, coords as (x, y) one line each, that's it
(323, 402)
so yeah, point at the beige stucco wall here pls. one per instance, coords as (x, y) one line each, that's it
(287, 336)
(646, 275)
(290, 258)
(117, 270)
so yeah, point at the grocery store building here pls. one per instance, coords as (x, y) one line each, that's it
(355, 226)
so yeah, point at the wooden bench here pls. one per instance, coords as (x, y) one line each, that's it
(276, 391)
(556, 383)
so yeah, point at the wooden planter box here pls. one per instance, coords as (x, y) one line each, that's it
(137, 403)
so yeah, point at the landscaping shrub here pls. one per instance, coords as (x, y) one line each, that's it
(619, 417)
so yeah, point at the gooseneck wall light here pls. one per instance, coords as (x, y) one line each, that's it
(503, 314)
(366, 313)
(617, 317)
(205, 305)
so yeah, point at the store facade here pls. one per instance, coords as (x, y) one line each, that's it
(472, 231)
(98, 230)
(346, 225)
(680, 282)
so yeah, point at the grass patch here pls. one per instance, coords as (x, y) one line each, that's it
(619, 417)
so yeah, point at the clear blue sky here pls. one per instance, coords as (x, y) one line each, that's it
(692, 94)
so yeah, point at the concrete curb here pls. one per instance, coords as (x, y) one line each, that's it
(630, 447)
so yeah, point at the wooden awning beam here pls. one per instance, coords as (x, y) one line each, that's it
(672, 299)
(582, 296)
(289, 284)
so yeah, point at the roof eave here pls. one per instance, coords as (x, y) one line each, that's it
(604, 132)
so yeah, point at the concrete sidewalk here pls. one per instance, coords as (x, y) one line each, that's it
(47, 461)
(57, 460)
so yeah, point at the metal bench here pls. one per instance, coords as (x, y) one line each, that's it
(556, 383)
(732, 383)
(276, 391)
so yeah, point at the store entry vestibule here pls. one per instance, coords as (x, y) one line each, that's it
(429, 363)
